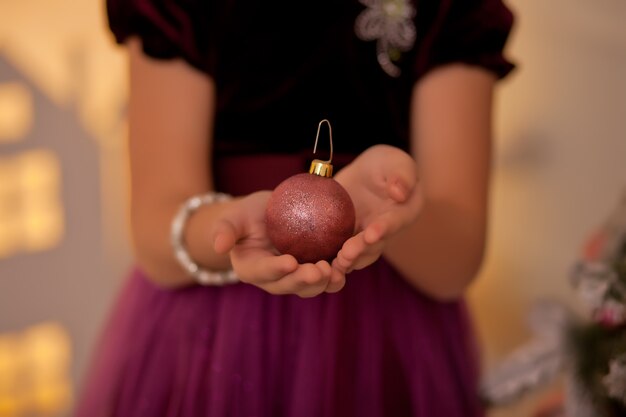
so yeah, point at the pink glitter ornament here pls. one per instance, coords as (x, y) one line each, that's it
(311, 215)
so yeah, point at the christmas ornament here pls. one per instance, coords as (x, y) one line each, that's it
(311, 215)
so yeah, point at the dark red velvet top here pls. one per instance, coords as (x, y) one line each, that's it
(281, 66)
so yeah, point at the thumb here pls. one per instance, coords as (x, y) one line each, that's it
(401, 187)
(400, 176)
(398, 190)
(225, 235)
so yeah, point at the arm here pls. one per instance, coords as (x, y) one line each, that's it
(432, 229)
(442, 251)
(170, 127)
(170, 117)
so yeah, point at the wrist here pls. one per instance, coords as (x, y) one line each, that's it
(200, 237)
(191, 240)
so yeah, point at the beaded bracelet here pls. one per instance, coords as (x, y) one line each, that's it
(201, 275)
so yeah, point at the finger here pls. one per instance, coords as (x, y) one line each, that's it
(349, 252)
(368, 257)
(306, 281)
(319, 283)
(384, 226)
(339, 266)
(256, 266)
(392, 221)
(342, 262)
(337, 281)
(353, 247)
(375, 232)
(324, 268)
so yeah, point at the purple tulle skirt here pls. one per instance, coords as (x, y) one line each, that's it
(376, 348)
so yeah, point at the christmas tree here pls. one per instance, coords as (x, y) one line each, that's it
(590, 351)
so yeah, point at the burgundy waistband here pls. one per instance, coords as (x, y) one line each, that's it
(244, 174)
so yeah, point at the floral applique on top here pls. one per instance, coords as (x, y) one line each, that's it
(390, 24)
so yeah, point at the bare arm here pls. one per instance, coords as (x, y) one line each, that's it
(170, 121)
(451, 139)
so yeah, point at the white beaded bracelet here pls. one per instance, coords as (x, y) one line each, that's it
(201, 275)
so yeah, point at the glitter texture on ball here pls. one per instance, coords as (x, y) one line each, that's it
(310, 217)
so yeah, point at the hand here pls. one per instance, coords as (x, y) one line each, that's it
(383, 185)
(241, 231)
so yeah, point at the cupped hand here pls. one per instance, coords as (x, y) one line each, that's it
(384, 187)
(241, 231)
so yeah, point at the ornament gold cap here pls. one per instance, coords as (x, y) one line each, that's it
(319, 167)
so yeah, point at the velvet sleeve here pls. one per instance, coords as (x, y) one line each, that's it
(473, 32)
(167, 28)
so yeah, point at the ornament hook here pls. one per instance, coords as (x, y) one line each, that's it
(318, 167)
(330, 133)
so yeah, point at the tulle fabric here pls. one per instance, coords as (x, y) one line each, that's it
(377, 348)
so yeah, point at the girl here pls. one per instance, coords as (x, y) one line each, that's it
(225, 97)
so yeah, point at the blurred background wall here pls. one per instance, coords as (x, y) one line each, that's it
(560, 167)
(63, 241)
